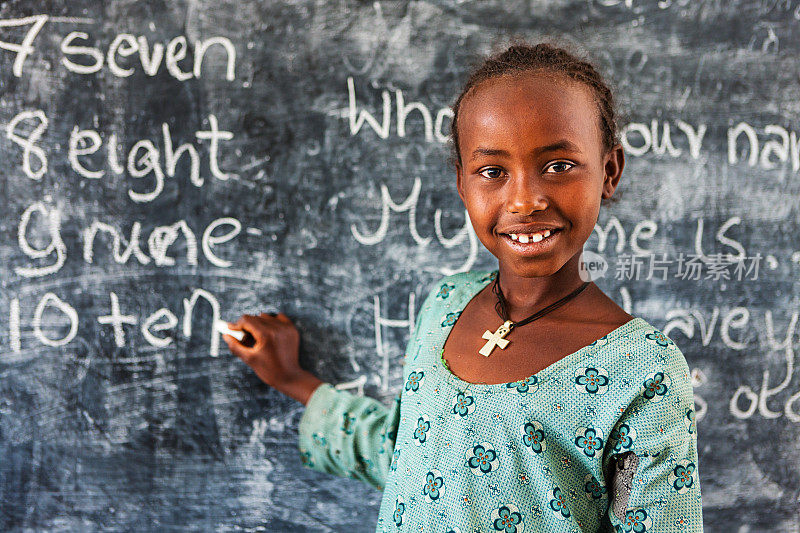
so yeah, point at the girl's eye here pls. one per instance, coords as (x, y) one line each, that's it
(561, 164)
(496, 173)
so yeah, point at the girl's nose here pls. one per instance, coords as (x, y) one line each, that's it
(525, 195)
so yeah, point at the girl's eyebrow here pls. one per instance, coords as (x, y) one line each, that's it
(561, 144)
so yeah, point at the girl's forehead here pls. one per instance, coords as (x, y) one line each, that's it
(528, 91)
(509, 105)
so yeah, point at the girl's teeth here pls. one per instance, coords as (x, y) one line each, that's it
(525, 239)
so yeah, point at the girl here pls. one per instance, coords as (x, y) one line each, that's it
(531, 401)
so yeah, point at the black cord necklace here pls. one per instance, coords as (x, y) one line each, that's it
(497, 338)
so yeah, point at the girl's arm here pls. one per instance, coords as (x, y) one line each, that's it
(348, 435)
(651, 458)
(354, 436)
(303, 387)
(339, 433)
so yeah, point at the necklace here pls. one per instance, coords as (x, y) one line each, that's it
(497, 338)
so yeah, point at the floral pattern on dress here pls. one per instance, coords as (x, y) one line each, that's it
(658, 338)
(319, 439)
(415, 380)
(682, 522)
(364, 462)
(305, 458)
(655, 387)
(602, 341)
(482, 458)
(523, 386)
(347, 423)
(533, 436)
(592, 380)
(433, 489)
(450, 319)
(622, 437)
(636, 520)
(395, 457)
(682, 476)
(382, 448)
(691, 423)
(508, 519)
(589, 440)
(558, 503)
(593, 488)
(463, 404)
(444, 291)
(399, 509)
(421, 431)
(489, 277)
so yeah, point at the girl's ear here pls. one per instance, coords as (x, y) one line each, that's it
(614, 163)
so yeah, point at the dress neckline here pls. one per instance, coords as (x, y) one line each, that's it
(469, 291)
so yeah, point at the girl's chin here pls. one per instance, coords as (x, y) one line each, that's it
(541, 269)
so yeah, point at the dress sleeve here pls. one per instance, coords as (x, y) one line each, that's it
(348, 435)
(651, 457)
(354, 436)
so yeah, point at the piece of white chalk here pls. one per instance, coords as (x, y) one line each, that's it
(222, 327)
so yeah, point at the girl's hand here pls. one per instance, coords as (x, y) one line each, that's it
(275, 355)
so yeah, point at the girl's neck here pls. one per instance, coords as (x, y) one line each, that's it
(526, 296)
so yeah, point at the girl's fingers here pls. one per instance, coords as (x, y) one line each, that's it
(249, 324)
(242, 351)
(256, 327)
(233, 344)
(237, 324)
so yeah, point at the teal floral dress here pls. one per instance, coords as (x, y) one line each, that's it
(601, 440)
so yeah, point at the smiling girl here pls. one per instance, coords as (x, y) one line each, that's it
(531, 401)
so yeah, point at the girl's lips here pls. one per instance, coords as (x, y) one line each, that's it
(532, 248)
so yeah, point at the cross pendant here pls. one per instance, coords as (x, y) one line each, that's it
(495, 339)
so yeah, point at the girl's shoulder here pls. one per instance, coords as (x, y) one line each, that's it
(443, 288)
(646, 352)
(443, 293)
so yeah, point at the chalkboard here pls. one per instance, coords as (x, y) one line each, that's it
(165, 164)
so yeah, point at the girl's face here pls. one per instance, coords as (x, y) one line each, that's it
(532, 156)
